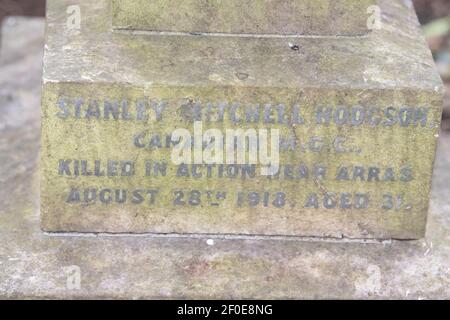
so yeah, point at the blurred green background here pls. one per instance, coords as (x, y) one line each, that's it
(435, 18)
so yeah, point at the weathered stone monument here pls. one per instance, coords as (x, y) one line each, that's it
(357, 103)
(377, 74)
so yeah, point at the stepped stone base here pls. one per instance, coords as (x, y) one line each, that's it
(37, 265)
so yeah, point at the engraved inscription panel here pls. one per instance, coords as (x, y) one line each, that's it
(351, 163)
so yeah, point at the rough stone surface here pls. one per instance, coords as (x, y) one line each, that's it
(388, 75)
(298, 17)
(395, 56)
(37, 265)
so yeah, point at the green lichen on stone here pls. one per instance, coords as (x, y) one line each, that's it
(99, 139)
(308, 17)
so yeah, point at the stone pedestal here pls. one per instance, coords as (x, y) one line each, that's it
(358, 118)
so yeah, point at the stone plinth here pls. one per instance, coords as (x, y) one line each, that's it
(358, 119)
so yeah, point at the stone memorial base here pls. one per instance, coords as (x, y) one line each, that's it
(34, 264)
